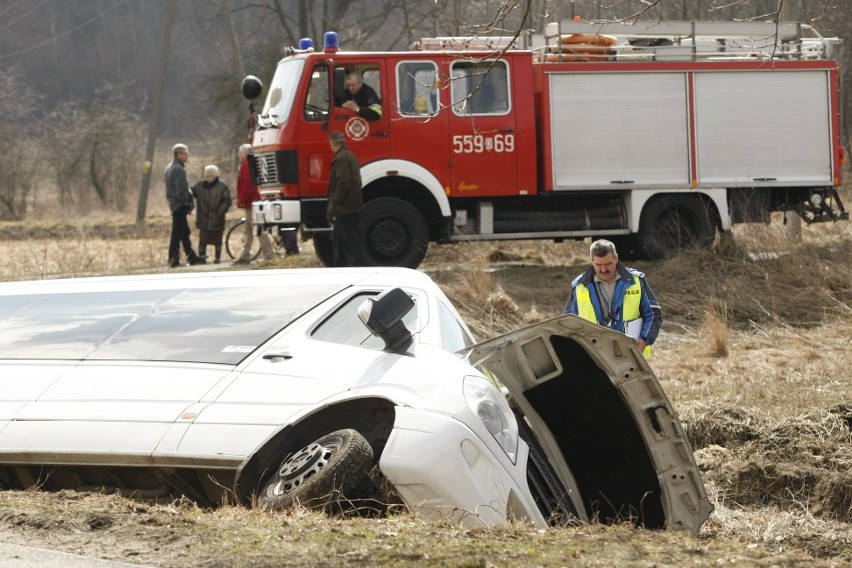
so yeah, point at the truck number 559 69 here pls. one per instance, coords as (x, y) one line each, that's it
(478, 143)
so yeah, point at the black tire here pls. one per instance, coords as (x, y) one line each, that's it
(235, 240)
(395, 233)
(324, 475)
(674, 223)
(323, 248)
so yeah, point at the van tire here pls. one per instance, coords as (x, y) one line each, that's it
(325, 475)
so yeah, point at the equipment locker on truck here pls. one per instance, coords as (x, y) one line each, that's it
(655, 135)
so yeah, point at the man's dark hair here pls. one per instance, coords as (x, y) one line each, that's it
(338, 138)
(601, 248)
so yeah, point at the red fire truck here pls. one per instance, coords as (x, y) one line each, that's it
(655, 135)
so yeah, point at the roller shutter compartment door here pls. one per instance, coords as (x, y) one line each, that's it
(765, 127)
(618, 130)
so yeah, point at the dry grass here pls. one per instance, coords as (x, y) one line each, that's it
(754, 354)
(716, 331)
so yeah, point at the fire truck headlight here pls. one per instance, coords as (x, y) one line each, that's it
(277, 212)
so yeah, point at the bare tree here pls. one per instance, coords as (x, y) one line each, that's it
(95, 152)
(18, 144)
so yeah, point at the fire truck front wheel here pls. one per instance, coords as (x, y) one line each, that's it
(671, 223)
(324, 248)
(395, 233)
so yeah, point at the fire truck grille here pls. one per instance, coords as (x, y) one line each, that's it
(267, 168)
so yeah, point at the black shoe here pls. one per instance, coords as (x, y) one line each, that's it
(198, 260)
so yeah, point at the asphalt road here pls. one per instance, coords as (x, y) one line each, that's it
(14, 556)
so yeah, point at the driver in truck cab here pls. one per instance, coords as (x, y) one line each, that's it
(361, 98)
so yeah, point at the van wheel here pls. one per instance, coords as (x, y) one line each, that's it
(670, 224)
(325, 475)
(323, 248)
(395, 233)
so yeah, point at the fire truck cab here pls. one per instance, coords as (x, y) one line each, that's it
(653, 135)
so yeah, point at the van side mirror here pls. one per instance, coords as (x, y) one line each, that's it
(383, 316)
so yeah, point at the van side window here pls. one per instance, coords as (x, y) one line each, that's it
(480, 87)
(417, 88)
(316, 103)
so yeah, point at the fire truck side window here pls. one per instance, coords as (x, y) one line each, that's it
(369, 76)
(416, 88)
(480, 87)
(316, 103)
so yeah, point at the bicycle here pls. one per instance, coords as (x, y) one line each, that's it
(235, 240)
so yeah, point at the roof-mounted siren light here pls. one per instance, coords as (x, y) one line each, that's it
(330, 42)
(306, 44)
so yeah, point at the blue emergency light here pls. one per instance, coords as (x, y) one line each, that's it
(330, 41)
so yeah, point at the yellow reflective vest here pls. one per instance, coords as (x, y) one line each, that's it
(629, 309)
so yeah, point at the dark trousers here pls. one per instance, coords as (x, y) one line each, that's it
(180, 236)
(291, 242)
(347, 244)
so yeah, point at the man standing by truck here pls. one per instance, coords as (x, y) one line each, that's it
(247, 193)
(345, 201)
(181, 205)
(615, 296)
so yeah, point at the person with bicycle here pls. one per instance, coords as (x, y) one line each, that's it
(247, 193)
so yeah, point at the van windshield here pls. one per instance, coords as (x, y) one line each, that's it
(282, 92)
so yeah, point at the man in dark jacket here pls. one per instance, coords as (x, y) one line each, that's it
(180, 204)
(361, 98)
(344, 203)
(213, 199)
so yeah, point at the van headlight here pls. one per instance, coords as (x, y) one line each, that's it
(490, 406)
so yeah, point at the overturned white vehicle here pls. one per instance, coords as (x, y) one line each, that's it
(328, 386)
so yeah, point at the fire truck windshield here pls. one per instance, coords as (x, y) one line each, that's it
(282, 91)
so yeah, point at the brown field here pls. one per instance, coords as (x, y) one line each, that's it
(754, 355)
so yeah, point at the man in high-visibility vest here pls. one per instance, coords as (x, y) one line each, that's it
(616, 296)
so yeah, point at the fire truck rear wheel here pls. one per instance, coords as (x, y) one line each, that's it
(625, 246)
(395, 233)
(672, 223)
